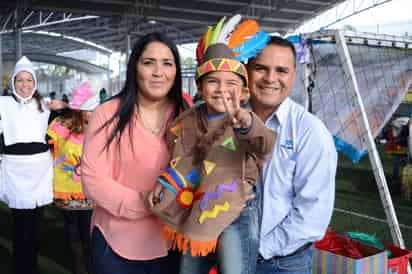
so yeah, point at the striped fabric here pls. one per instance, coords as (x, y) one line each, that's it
(325, 262)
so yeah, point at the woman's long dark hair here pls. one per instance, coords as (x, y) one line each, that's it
(38, 99)
(128, 96)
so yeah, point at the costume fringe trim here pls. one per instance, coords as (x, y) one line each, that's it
(183, 243)
(68, 196)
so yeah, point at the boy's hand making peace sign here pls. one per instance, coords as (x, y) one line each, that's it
(241, 117)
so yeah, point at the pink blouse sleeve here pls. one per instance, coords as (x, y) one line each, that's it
(98, 174)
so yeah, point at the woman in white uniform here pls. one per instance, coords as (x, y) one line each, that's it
(26, 167)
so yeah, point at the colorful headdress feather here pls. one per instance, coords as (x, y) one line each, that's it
(228, 29)
(243, 40)
(243, 32)
(251, 47)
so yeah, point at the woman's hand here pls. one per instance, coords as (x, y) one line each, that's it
(241, 117)
(157, 193)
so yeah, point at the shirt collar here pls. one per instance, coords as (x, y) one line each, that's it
(215, 116)
(281, 113)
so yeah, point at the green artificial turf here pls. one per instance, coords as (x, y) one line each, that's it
(356, 191)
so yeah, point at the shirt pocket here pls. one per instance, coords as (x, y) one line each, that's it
(288, 169)
(283, 177)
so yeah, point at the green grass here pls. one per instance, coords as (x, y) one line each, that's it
(355, 191)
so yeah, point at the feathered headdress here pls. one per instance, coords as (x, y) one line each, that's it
(225, 46)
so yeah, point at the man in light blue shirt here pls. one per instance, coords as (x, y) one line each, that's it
(299, 179)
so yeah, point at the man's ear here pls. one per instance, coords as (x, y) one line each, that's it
(244, 95)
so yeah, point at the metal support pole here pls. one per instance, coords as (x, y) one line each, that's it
(17, 32)
(108, 86)
(128, 47)
(307, 72)
(120, 73)
(1, 66)
(373, 153)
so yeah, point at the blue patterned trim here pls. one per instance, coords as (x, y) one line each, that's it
(348, 150)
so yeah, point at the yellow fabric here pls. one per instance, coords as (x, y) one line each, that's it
(67, 152)
(406, 182)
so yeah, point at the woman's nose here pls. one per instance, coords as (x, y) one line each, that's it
(157, 71)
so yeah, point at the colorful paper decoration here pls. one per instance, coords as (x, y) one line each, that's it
(193, 177)
(176, 129)
(214, 212)
(209, 166)
(229, 143)
(173, 162)
(185, 197)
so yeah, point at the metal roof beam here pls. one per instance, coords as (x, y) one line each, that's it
(60, 60)
(318, 3)
(253, 5)
(59, 39)
(201, 22)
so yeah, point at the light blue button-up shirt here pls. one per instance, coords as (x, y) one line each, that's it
(298, 181)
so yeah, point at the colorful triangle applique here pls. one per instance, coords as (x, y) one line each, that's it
(193, 176)
(225, 66)
(209, 67)
(215, 62)
(229, 144)
(209, 166)
(234, 64)
(176, 129)
(173, 162)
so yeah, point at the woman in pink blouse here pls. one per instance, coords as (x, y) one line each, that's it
(124, 152)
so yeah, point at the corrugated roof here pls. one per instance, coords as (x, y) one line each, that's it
(108, 22)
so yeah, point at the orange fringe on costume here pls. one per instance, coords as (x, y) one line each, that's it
(69, 196)
(183, 243)
(55, 147)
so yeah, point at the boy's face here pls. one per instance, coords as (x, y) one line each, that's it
(216, 84)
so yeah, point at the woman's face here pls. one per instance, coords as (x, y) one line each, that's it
(156, 72)
(24, 84)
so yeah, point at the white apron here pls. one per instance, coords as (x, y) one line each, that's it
(26, 181)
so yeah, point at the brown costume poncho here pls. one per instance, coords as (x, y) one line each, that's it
(202, 197)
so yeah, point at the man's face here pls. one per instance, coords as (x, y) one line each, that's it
(271, 77)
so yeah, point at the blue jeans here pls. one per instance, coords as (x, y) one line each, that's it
(105, 261)
(297, 263)
(237, 247)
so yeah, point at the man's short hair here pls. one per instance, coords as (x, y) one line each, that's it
(282, 42)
